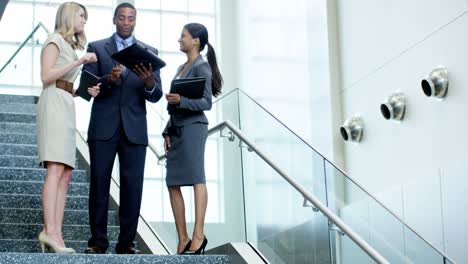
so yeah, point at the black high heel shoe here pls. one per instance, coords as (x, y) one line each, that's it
(201, 249)
(186, 248)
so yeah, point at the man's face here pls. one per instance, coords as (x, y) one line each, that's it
(125, 21)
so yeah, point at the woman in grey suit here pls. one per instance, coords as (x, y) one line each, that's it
(185, 136)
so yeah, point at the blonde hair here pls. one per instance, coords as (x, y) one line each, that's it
(65, 24)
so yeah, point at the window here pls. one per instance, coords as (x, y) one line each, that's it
(159, 23)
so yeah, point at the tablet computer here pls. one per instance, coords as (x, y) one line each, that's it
(136, 54)
(192, 88)
(87, 80)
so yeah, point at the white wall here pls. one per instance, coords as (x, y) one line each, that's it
(413, 166)
(283, 64)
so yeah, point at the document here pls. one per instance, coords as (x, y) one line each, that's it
(87, 80)
(191, 88)
(136, 54)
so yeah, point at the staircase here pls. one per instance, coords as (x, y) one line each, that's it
(21, 182)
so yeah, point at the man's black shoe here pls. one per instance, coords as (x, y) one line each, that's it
(129, 250)
(94, 250)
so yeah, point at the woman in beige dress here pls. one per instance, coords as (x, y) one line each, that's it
(60, 66)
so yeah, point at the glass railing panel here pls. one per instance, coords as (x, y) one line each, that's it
(277, 222)
(20, 64)
(286, 150)
(375, 223)
(345, 251)
(224, 221)
(418, 251)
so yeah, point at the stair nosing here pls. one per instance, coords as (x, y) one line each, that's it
(35, 240)
(75, 183)
(16, 123)
(11, 133)
(18, 156)
(38, 194)
(40, 224)
(39, 209)
(16, 113)
(38, 169)
(20, 144)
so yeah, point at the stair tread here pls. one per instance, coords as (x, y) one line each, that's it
(41, 182)
(19, 99)
(19, 144)
(35, 169)
(40, 224)
(16, 133)
(112, 258)
(28, 118)
(40, 210)
(35, 201)
(39, 195)
(16, 123)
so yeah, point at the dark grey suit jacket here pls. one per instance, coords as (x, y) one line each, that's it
(198, 68)
(121, 104)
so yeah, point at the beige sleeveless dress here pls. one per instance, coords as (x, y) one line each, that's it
(55, 120)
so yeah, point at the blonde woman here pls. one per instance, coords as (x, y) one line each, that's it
(55, 121)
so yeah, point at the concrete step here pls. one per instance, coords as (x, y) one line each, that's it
(34, 201)
(69, 232)
(35, 187)
(36, 174)
(22, 161)
(18, 108)
(17, 99)
(33, 246)
(18, 117)
(34, 216)
(14, 127)
(17, 138)
(34, 258)
(18, 149)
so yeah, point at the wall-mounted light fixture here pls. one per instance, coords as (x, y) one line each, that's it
(352, 129)
(394, 107)
(436, 84)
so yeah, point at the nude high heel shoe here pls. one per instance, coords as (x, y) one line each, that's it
(49, 242)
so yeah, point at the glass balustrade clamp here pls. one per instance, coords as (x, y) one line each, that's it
(243, 145)
(333, 227)
(229, 135)
(307, 203)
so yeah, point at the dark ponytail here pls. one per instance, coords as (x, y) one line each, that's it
(199, 31)
(216, 78)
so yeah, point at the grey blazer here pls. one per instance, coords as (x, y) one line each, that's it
(195, 107)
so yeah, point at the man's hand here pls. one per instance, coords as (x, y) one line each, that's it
(146, 75)
(115, 73)
(173, 99)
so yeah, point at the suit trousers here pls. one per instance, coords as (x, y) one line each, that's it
(132, 164)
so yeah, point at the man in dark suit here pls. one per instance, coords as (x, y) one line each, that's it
(118, 126)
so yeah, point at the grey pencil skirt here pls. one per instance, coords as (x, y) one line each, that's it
(185, 161)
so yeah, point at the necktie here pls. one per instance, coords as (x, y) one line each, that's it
(124, 44)
(124, 70)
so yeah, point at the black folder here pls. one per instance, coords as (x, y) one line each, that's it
(191, 88)
(136, 54)
(87, 80)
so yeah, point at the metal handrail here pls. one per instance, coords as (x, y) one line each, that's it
(308, 196)
(344, 174)
(39, 25)
(161, 156)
